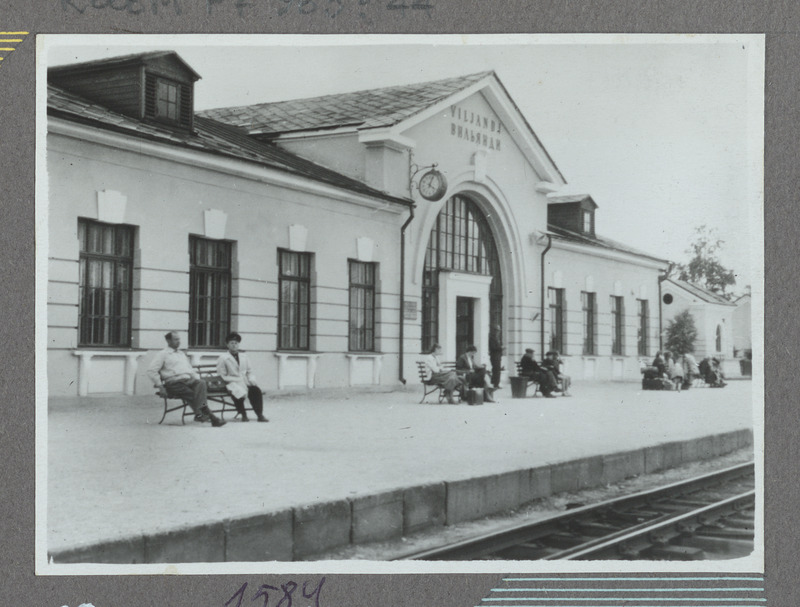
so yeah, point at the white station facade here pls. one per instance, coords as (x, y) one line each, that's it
(341, 235)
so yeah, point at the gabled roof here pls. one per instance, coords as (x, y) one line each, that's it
(360, 109)
(700, 292)
(208, 136)
(567, 198)
(118, 62)
(599, 241)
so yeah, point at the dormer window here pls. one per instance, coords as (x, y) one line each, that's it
(168, 100)
(155, 87)
(573, 212)
(587, 221)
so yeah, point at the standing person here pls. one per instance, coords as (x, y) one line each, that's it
(552, 361)
(235, 370)
(496, 354)
(690, 369)
(448, 380)
(174, 377)
(528, 367)
(476, 376)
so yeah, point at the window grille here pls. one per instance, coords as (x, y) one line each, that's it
(209, 291)
(294, 286)
(105, 283)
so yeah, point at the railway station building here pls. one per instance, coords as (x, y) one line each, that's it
(340, 235)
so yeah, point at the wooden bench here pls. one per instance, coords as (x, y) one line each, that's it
(215, 392)
(532, 381)
(429, 387)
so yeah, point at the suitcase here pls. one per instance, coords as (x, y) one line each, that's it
(474, 397)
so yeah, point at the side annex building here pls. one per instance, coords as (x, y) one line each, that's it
(340, 235)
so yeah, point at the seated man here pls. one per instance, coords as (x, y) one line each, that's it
(552, 362)
(475, 376)
(234, 368)
(174, 377)
(447, 380)
(528, 367)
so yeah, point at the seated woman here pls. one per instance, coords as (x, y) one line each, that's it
(552, 362)
(234, 368)
(658, 363)
(447, 380)
(674, 370)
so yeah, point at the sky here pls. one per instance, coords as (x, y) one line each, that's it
(665, 132)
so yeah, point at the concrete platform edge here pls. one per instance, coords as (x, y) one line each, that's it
(303, 531)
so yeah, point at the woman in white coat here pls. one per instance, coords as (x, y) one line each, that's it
(234, 368)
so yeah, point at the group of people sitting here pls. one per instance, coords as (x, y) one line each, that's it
(468, 374)
(681, 371)
(548, 374)
(173, 376)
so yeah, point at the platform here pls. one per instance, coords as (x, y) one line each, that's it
(329, 469)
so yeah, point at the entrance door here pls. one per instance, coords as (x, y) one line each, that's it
(465, 324)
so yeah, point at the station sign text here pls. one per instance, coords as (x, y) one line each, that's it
(475, 128)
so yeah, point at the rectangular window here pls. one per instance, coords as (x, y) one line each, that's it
(209, 291)
(589, 301)
(644, 320)
(105, 283)
(168, 100)
(556, 298)
(587, 222)
(294, 303)
(617, 324)
(362, 306)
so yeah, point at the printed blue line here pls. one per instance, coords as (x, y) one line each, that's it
(627, 589)
(627, 579)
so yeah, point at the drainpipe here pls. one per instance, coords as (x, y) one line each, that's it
(662, 278)
(403, 290)
(541, 295)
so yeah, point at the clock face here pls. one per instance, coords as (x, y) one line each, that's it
(432, 185)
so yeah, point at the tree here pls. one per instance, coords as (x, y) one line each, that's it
(704, 268)
(681, 334)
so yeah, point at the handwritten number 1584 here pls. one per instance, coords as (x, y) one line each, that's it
(285, 600)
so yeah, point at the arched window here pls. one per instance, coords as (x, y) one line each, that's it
(719, 338)
(460, 240)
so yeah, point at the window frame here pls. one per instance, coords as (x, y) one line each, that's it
(85, 257)
(297, 343)
(643, 337)
(366, 341)
(159, 80)
(221, 276)
(556, 304)
(617, 325)
(589, 313)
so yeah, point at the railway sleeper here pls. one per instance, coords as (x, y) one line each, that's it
(528, 551)
(563, 540)
(731, 548)
(725, 532)
(671, 552)
(595, 529)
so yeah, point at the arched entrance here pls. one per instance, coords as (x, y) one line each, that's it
(462, 288)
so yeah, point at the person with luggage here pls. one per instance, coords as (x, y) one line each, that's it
(475, 376)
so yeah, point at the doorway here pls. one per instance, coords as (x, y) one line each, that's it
(465, 324)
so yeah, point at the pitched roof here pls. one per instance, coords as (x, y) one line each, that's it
(208, 136)
(565, 198)
(120, 61)
(366, 109)
(598, 241)
(701, 293)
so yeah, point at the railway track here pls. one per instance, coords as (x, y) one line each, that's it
(706, 517)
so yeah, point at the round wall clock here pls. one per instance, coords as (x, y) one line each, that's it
(432, 185)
